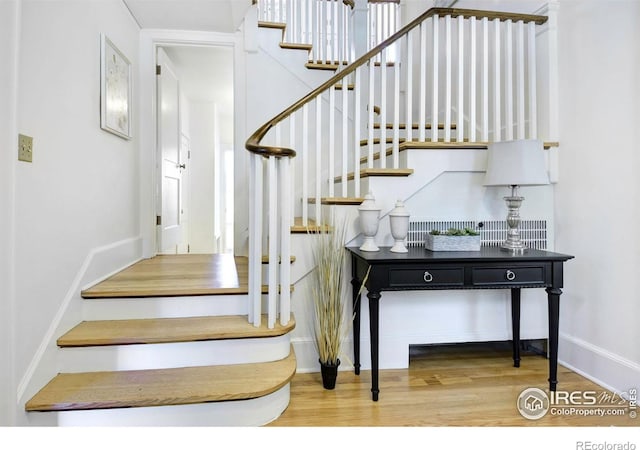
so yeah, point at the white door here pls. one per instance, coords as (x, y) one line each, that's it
(170, 188)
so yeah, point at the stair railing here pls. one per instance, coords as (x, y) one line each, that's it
(323, 24)
(475, 67)
(326, 25)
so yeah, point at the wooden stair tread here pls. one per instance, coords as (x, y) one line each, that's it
(177, 275)
(364, 173)
(338, 200)
(165, 330)
(414, 126)
(265, 259)
(278, 25)
(293, 46)
(429, 145)
(321, 66)
(312, 227)
(162, 387)
(457, 145)
(376, 141)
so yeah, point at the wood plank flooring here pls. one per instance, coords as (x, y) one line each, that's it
(175, 275)
(461, 385)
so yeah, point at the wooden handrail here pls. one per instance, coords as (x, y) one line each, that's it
(253, 142)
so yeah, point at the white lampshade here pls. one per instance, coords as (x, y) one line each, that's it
(516, 163)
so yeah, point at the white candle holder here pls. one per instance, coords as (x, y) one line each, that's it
(369, 222)
(399, 221)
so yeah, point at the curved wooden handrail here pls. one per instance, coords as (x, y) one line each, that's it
(253, 142)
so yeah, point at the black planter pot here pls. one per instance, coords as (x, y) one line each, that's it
(329, 374)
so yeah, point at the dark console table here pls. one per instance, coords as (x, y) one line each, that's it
(489, 268)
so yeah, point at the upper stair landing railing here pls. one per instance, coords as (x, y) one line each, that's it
(325, 27)
(460, 77)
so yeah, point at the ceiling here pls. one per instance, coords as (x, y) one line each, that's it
(202, 15)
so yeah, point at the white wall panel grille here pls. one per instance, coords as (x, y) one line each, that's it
(492, 232)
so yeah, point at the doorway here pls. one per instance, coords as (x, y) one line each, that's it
(195, 134)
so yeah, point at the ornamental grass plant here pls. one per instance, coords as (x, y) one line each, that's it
(330, 323)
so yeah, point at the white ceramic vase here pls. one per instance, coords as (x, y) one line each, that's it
(399, 222)
(369, 222)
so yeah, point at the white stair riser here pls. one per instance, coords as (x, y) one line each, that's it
(244, 413)
(158, 307)
(182, 354)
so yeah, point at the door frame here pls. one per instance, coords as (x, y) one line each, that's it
(150, 40)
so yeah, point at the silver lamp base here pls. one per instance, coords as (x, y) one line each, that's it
(513, 244)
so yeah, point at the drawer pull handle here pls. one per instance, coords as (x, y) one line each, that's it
(428, 278)
(511, 275)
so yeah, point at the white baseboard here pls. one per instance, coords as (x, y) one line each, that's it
(99, 262)
(607, 369)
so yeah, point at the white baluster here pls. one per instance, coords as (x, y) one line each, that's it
(460, 123)
(409, 88)
(520, 80)
(291, 23)
(256, 188)
(273, 241)
(448, 93)
(330, 23)
(497, 124)
(485, 80)
(434, 101)
(383, 109)
(472, 80)
(371, 105)
(332, 138)
(305, 165)
(423, 83)
(318, 193)
(285, 240)
(508, 66)
(533, 113)
(396, 111)
(345, 136)
(356, 132)
(293, 145)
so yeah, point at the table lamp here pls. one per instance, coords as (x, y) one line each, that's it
(515, 163)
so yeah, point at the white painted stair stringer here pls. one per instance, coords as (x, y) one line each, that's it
(427, 166)
(293, 60)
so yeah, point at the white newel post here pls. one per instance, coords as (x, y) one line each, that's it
(256, 188)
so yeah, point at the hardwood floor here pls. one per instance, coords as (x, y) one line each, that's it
(457, 385)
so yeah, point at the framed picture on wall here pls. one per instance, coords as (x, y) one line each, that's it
(115, 89)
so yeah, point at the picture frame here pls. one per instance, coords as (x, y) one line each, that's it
(115, 89)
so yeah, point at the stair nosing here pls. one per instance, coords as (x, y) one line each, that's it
(163, 387)
(167, 330)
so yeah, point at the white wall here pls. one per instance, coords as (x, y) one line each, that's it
(81, 191)
(9, 30)
(201, 176)
(597, 208)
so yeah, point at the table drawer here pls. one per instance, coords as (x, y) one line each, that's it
(426, 277)
(531, 275)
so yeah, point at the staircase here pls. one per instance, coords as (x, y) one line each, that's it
(170, 331)
(424, 101)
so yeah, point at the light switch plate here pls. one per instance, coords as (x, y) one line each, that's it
(25, 148)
